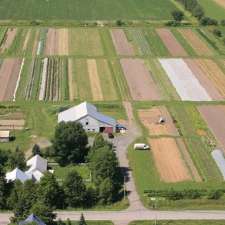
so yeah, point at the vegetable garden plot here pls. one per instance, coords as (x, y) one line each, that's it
(171, 42)
(185, 82)
(150, 118)
(9, 75)
(9, 37)
(168, 160)
(85, 42)
(195, 42)
(122, 46)
(214, 115)
(140, 82)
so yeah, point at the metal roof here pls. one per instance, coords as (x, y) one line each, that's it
(80, 111)
(4, 134)
(16, 174)
(37, 163)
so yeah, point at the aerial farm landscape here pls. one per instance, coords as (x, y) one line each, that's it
(112, 112)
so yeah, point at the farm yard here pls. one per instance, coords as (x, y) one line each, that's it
(172, 72)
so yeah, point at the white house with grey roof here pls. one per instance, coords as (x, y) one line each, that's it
(88, 115)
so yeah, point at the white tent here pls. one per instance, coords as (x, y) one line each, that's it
(37, 163)
(17, 174)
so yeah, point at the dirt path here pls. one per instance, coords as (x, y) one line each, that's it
(171, 42)
(122, 143)
(94, 80)
(140, 82)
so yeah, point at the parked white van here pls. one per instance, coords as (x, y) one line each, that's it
(141, 146)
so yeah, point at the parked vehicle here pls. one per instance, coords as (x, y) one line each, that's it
(141, 146)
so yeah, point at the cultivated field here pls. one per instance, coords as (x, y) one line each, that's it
(86, 10)
(215, 117)
(139, 79)
(150, 119)
(168, 160)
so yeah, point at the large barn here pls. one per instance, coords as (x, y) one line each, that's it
(89, 117)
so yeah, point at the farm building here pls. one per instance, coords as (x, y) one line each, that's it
(89, 117)
(16, 174)
(4, 136)
(32, 219)
(37, 163)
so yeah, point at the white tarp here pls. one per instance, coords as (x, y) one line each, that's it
(184, 81)
(220, 160)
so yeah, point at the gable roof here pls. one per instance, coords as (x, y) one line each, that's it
(32, 218)
(37, 163)
(78, 112)
(16, 174)
(34, 174)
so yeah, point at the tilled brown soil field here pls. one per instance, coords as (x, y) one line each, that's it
(9, 73)
(122, 46)
(140, 82)
(220, 2)
(8, 39)
(57, 42)
(215, 117)
(168, 160)
(12, 124)
(214, 73)
(195, 42)
(204, 80)
(150, 119)
(171, 42)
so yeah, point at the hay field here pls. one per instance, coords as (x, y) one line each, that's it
(86, 10)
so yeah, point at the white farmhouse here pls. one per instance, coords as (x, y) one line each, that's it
(89, 117)
(16, 174)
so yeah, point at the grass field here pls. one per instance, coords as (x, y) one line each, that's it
(85, 10)
(180, 222)
(212, 9)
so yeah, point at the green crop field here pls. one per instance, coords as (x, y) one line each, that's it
(212, 9)
(85, 9)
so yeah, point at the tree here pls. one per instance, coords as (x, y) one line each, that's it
(36, 150)
(22, 198)
(74, 189)
(44, 212)
(217, 32)
(49, 191)
(106, 191)
(4, 156)
(178, 15)
(17, 159)
(3, 189)
(104, 165)
(82, 220)
(70, 143)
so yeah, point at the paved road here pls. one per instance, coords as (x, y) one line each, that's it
(136, 211)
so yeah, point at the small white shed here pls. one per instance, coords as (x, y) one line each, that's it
(4, 135)
(89, 117)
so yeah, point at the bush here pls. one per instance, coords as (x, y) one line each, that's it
(205, 21)
(178, 15)
(222, 22)
(217, 32)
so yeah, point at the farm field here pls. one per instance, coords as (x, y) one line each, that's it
(213, 9)
(179, 222)
(86, 10)
(192, 146)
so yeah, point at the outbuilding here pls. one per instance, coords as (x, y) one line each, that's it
(89, 117)
(4, 136)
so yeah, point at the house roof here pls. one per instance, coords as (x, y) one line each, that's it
(32, 218)
(78, 112)
(34, 174)
(4, 134)
(16, 174)
(37, 163)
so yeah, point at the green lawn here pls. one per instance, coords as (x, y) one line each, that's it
(212, 9)
(85, 9)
